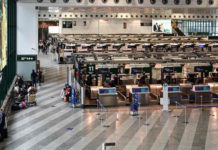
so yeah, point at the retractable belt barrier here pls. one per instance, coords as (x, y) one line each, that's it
(100, 112)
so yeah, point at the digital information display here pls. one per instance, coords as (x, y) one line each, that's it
(173, 89)
(107, 91)
(202, 88)
(140, 90)
(161, 26)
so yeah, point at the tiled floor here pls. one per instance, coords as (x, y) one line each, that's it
(53, 124)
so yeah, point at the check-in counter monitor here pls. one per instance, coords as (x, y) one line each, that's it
(201, 93)
(108, 96)
(174, 94)
(94, 92)
(143, 95)
(186, 89)
(155, 90)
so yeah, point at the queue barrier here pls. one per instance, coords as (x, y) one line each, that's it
(102, 107)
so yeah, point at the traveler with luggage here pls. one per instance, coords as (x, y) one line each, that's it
(3, 129)
(33, 78)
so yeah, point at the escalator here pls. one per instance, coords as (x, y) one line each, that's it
(178, 31)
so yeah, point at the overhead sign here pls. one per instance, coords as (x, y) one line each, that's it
(90, 69)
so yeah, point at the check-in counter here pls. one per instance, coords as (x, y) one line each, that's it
(94, 92)
(143, 95)
(201, 93)
(174, 94)
(214, 89)
(126, 48)
(128, 88)
(107, 96)
(159, 47)
(98, 48)
(83, 48)
(155, 90)
(186, 89)
(187, 46)
(174, 46)
(214, 46)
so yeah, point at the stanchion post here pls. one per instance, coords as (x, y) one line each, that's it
(201, 102)
(146, 117)
(176, 110)
(139, 116)
(97, 108)
(185, 117)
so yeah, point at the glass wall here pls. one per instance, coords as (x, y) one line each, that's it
(9, 71)
(199, 27)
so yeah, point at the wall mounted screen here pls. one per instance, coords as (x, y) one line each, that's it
(161, 26)
(3, 34)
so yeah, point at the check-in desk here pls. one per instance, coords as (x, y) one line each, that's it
(174, 46)
(214, 89)
(155, 90)
(159, 47)
(99, 48)
(214, 46)
(174, 94)
(126, 48)
(94, 92)
(187, 46)
(128, 89)
(117, 46)
(201, 93)
(108, 96)
(143, 95)
(83, 48)
(200, 47)
(186, 89)
(140, 49)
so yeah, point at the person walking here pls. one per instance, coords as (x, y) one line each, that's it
(33, 78)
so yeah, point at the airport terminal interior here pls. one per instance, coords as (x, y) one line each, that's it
(109, 75)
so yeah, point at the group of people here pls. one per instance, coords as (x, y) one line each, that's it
(66, 93)
(47, 47)
(22, 91)
(158, 27)
(36, 77)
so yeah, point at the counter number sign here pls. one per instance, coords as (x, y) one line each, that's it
(90, 69)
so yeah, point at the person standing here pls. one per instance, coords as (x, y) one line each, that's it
(39, 76)
(33, 78)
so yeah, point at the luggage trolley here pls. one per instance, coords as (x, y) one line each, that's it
(31, 100)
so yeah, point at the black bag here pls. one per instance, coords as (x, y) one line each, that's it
(15, 107)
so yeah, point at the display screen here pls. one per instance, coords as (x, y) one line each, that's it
(3, 34)
(173, 89)
(168, 69)
(114, 70)
(178, 69)
(140, 90)
(107, 91)
(84, 47)
(103, 71)
(147, 70)
(53, 29)
(203, 69)
(67, 24)
(126, 71)
(136, 70)
(145, 46)
(161, 26)
(201, 46)
(99, 46)
(202, 88)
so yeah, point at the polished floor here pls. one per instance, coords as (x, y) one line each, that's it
(55, 125)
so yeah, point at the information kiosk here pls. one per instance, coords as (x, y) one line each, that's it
(143, 95)
(108, 96)
(174, 94)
